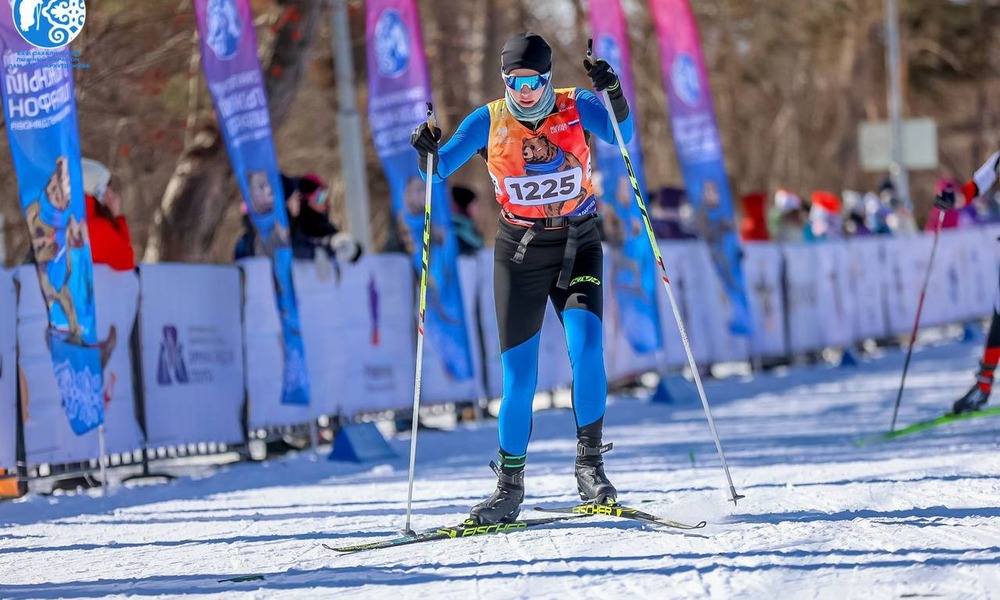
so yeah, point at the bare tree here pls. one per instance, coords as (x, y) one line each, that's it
(201, 188)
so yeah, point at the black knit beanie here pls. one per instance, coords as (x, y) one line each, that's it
(526, 50)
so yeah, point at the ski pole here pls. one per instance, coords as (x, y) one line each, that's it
(916, 322)
(425, 252)
(637, 192)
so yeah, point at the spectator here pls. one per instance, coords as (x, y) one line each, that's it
(110, 241)
(464, 208)
(855, 215)
(877, 215)
(307, 207)
(944, 187)
(791, 218)
(824, 217)
(900, 220)
(753, 228)
(310, 226)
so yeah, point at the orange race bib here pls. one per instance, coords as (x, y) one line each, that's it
(541, 173)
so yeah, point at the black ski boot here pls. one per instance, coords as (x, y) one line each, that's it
(505, 503)
(591, 481)
(975, 400)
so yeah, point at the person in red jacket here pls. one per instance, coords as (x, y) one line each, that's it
(110, 241)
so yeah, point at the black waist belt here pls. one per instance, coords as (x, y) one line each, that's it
(572, 240)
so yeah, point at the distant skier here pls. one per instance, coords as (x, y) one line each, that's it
(977, 397)
(534, 142)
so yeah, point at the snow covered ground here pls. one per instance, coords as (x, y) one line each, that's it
(918, 517)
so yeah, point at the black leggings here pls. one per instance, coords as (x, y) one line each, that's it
(521, 291)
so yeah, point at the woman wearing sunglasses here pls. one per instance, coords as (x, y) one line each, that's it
(535, 144)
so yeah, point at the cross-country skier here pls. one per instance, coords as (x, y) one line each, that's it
(977, 397)
(534, 142)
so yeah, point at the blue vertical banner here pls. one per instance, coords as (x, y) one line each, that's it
(232, 71)
(699, 149)
(634, 271)
(40, 115)
(398, 91)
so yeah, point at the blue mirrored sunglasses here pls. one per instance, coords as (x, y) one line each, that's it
(533, 82)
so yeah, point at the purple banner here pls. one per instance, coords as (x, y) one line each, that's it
(699, 149)
(39, 107)
(633, 266)
(232, 71)
(398, 91)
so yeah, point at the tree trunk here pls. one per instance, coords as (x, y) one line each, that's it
(202, 187)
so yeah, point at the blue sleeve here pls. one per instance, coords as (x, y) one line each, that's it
(595, 119)
(472, 134)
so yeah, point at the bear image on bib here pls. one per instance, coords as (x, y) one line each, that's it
(544, 157)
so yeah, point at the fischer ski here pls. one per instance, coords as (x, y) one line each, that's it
(621, 511)
(928, 424)
(467, 529)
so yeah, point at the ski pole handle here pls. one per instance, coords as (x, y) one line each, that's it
(431, 118)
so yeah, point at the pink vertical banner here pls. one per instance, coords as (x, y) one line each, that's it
(633, 267)
(699, 149)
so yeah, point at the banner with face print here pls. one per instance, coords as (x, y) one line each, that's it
(699, 149)
(40, 110)
(398, 92)
(633, 271)
(232, 70)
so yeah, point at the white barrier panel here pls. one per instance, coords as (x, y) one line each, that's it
(192, 347)
(906, 259)
(977, 272)
(687, 284)
(801, 297)
(716, 311)
(8, 370)
(438, 385)
(47, 435)
(263, 352)
(949, 269)
(620, 358)
(867, 280)
(834, 301)
(359, 334)
(321, 314)
(762, 273)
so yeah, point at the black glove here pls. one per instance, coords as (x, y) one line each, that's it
(945, 199)
(604, 78)
(426, 141)
(601, 73)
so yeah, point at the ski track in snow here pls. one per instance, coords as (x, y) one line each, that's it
(917, 517)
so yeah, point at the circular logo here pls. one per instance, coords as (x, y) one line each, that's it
(49, 24)
(224, 28)
(392, 44)
(684, 74)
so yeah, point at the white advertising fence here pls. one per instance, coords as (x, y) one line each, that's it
(210, 337)
(263, 350)
(192, 353)
(47, 435)
(762, 273)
